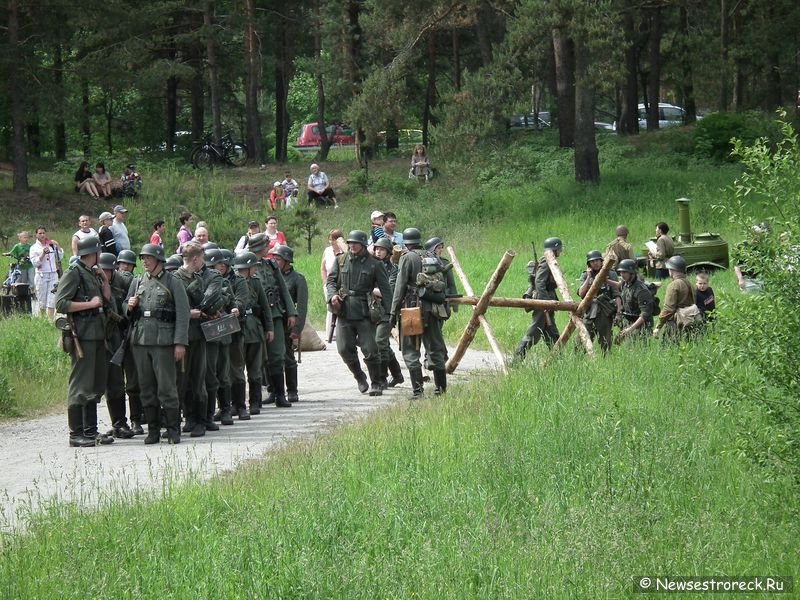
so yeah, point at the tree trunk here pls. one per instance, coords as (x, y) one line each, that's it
(687, 76)
(482, 29)
(325, 143)
(628, 123)
(587, 165)
(33, 130)
(430, 89)
(456, 61)
(109, 112)
(198, 92)
(59, 127)
(18, 150)
(774, 81)
(392, 136)
(86, 122)
(283, 74)
(564, 54)
(654, 79)
(172, 112)
(724, 42)
(255, 145)
(213, 75)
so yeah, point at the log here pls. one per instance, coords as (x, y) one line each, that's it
(480, 308)
(487, 329)
(574, 320)
(518, 303)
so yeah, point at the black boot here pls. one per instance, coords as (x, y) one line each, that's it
(416, 383)
(383, 380)
(277, 387)
(396, 371)
(121, 430)
(440, 379)
(224, 396)
(375, 379)
(270, 390)
(90, 426)
(522, 349)
(238, 395)
(137, 417)
(208, 421)
(255, 397)
(172, 417)
(75, 422)
(361, 378)
(153, 417)
(291, 384)
(116, 412)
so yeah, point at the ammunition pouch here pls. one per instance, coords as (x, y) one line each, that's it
(376, 311)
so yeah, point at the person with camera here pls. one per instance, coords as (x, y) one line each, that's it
(46, 258)
(82, 292)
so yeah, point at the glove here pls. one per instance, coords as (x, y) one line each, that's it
(392, 321)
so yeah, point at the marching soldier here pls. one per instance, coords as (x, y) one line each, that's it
(435, 246)
(126, 262)
(159, 310)
(382, 249)
(421, 283)
(599, 319)
(637, 302)
(81, 294)
(257, 325)
(298, 289)
(351, 279)
(282, 306)
(544, 288)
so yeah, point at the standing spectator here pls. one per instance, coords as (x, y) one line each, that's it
(158, 231)
(277, 195)
(201, 234)
(252, 228)
(704, 297)
(290, 188)
(185, 231)
(105, 234)
(335, 247)
(102, 180)
(376, 231)
(275, 237)
(119, 229)
(21, 252)
(319, 189)
(84, 181)
(84, 230)
(390, 229)
(420, 165)
(664, 251)
(46, 258)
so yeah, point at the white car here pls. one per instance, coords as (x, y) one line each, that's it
(669, 115)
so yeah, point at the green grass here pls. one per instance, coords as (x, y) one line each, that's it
(564, 482)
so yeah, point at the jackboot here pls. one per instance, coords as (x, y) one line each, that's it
(116, 412)
(280, 393)
(396, 371)
(153, 417)
(224, 395)
(361, 377)
(75, 422)
(121, 430)
(416, 383)
(238, 395)
(522, 349)
(90, 426)
(375, 379)
(291, 384)
(383, 369)
(172, 417)
(190, 419)
(208, 417)
(270, 391)
(440, 379)
(255, 397)
(137, 417)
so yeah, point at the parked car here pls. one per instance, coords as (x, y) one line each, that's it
(338, 133)
(669, 115)
(528, 121)
(407, 137)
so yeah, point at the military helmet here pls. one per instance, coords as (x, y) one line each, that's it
(212, 256)
(412, 235)
(553, 243)
(431, 265)
(627, 265)
(285, 252)
(127, 256)
(676, 263)
(211, 246)
(174, 262)
(245, 260)
(594, 255)
(358, 237)
(431, 244)
(89, 245)
(107, 261)
(153, 250)
(227, 256)
(385, 243)
(257, 242)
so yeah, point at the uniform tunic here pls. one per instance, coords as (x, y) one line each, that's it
(543, 322)
(282, 305)
(298, 290)
(383, 332)
(191, 374)
(637, 301)
(117, 326)
(600, 317)
(218, 298)
(256, 319)
(679, 294)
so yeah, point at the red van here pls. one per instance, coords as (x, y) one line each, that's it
(338, 133)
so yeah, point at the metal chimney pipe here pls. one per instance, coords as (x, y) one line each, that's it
(684, 226)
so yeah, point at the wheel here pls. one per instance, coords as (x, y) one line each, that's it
(237, 155)
(202, 159)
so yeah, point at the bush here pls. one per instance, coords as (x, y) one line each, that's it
(7, 403)
(713, 136)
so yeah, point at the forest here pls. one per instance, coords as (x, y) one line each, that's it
(95, 79)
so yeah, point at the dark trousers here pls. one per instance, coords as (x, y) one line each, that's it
(351, 335)
(87, 378)
(540, 328)
(432, 339)
(325, 198)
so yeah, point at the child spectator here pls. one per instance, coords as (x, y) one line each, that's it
(158, 231)
(131, 181)
(704, 297)
(21, 253)
(290, 188)
(277, 196)
(378, 219)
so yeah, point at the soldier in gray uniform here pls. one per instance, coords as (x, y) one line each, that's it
(159, 309)
(82, 291)
(126, 262)
(282, 305)
(257, 326)
(637, 303)
(351, 280)
(606, 305)
(382, 249)
(298, 289)
(421, 283)
(435, 246)
(544, 288)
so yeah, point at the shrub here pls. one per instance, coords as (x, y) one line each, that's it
(713, 136)
(7, 402)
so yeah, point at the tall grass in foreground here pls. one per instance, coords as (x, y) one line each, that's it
(558, 482)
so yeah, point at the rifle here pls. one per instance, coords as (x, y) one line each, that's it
(296, 346)
(119, 356)
(334, 318)
(74, 334)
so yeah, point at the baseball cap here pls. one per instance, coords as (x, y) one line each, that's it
(120, 209)
(375, 214)
(105, 215)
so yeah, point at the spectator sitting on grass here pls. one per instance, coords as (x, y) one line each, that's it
(319, 188)
(277, 195)
(84, 181)
(102, 180)
(20, 252)
(290, 188)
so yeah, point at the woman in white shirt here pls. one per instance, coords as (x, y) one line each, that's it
(335, 247)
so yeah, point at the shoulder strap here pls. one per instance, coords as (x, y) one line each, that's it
(160, 284)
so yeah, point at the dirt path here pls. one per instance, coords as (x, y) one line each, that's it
(40, 468)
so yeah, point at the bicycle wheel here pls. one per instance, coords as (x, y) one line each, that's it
(202, 158)
(237, 155)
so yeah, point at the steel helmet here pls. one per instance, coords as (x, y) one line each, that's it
(174, 262)
(245, 260)
(89, 245)
(553, 243)
(285, 252)
(210, 246)
(431, 244)
(107, 261)
(153, 250)
(127, 256)
(385, 243)
(594, 255)
(212, 256)
(412, 236)
(676, 263)
(257, 242)
(358, 237)
(227, 256)
(627, 265)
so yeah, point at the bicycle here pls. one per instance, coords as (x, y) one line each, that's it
(227, 152)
